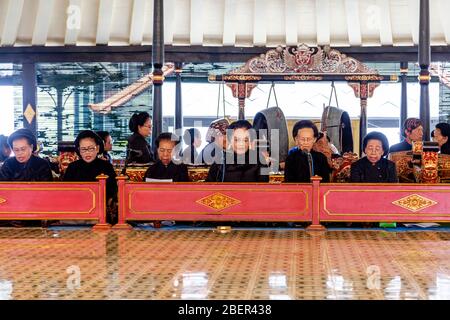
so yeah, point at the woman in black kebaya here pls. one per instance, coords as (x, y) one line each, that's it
(304, 163)
(138, 149)
(88, 145)
(374, 167)
(24, 166)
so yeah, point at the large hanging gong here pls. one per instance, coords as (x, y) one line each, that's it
(273, 119)
(336, 122)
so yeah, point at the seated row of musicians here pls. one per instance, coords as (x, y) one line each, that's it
(239, 163)
(140, 124)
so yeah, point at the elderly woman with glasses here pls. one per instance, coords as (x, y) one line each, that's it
(24, 166)
(165, 168)
(303, 163)
(88, 146)
(374, 167)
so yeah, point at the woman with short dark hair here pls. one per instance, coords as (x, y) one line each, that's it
(374, 167)
(107, 143)
(88, 145)
(24, 166)
(441, 134)
(192, 139)
(5, 150)
(241, 162)
(304, 163)
(164, 168)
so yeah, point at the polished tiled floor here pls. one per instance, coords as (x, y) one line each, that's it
(243, 264)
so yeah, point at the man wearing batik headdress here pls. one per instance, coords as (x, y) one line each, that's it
(412, 131)
(216, 136)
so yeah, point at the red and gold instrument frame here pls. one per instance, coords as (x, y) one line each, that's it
(384, 202)
(54, 201)
(310, 202)
(213, 202)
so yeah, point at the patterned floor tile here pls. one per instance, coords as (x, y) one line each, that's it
(243, 264)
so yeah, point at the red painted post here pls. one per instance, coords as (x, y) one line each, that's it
(101, 204)
(121, 224)
(316, 226)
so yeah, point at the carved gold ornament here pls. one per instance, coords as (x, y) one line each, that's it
(218, 201)
(414, 202)
(29, 113)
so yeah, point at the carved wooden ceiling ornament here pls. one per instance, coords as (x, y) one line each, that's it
(304, 59)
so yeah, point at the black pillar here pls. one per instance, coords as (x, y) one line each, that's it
(178, 105)
(76, 111)
(59, 111)
(86, 112)
(99, 96)
(242, 94)
(362, 123)
(363, 93)
(158, 62)
(29, 96)
(424, 62)
(404, 95)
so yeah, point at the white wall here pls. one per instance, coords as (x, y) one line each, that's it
(6, 110)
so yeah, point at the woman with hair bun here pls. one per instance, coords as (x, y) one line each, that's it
(88, 145)
(441, 134)
(374, 167)
(138, 149)
(24, 166)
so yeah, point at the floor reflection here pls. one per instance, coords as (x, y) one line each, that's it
(242, 264)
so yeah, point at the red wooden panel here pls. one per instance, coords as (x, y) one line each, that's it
(388, 202)
(49, 200)
(263, 202)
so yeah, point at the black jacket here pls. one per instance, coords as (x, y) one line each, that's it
(189, 155)
(176, 172)
(445, 148)
(382, 172)
(139, 149)
(211, 153)
(35, 169)
(82, 171)
(237, 171)
(402, 146)
(297, 167)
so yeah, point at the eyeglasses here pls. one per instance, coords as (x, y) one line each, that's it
(88, 149)
(239, 140)
(162, 150)
(374, 150)
(309, 139)
(20, 150)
